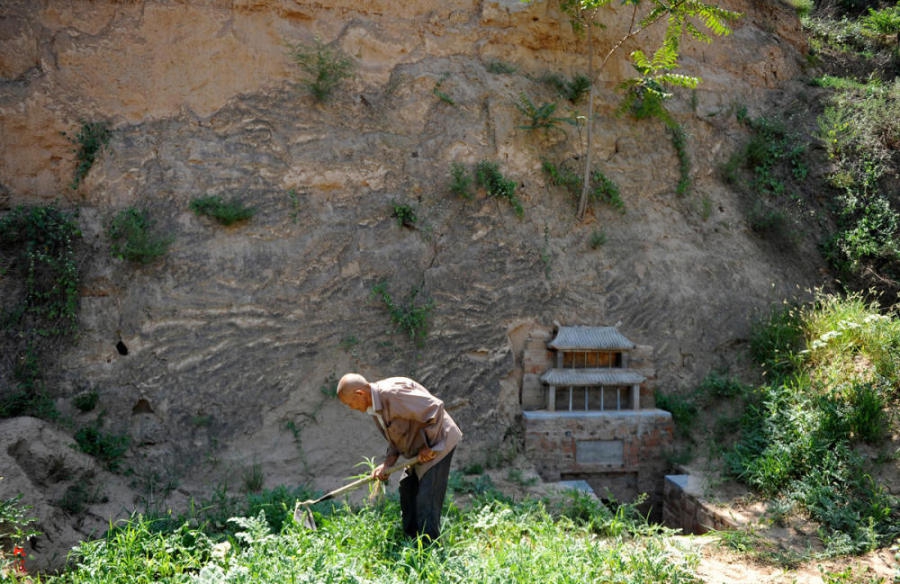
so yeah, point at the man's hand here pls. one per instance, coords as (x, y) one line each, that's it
(426, 455)
(379, 472)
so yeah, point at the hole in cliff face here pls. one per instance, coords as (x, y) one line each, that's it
(121, 348)
(141, 407)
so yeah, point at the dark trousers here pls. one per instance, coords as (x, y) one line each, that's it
(421, 499)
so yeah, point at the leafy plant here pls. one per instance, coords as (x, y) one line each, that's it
(91, 138)
(679, 142)
(324, 67)
(574, 89)
(569, 539)
(38, 261)
(540, 117)
(500, 67)
(86, 401)
(134, 239)
(798, 432)
(411, 316)
(443, 95)
(225, 212)
(108, 448)
(606, 191)
(598, 239)
(655, 71)
(489, 177)
(884, 21)
(14, 530)
(460, 181)
(41, 246)
(254, 479)
(860, 129)
(683, 409)
(404, 214)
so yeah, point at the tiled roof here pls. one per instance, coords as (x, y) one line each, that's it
(574, 338)
(582, 377)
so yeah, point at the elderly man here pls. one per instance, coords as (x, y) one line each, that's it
(415, 425)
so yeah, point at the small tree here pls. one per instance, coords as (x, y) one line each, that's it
(324, 67)
(656, 71)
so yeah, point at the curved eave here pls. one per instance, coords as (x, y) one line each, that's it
(581, 377)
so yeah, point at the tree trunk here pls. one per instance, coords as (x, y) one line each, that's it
(589, 148)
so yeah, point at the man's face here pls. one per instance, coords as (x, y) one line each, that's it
(356, 400)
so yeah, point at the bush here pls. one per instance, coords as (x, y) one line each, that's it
(799, 433)
(324, 67)
(37, 248)
(489, 177)
(91, 139)
(225, 212)
(404, 214)
(573, 89)
(411, 316)
(460, 181)
(108, 448)
(133, 238)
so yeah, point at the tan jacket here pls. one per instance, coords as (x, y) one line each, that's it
(412, 418)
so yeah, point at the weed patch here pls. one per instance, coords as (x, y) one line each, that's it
(411, 316)
(133, 237)
(324, 67)
(800, 433)
(90, 140)
(489, 177)
(225, 212)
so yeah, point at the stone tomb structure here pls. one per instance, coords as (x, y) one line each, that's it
(589, 413)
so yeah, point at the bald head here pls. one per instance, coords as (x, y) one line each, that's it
(353, 391)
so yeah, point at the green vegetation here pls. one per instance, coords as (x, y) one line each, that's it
(440, 93)
(573, 539)
(460, 181)
(225, 212)
(860, 129)
(539, 117)
(404, 214)
(834, 369)
(604, 189)
(855, 43)
(324, 67)
(574, 89)
(87, 401)
(107, 448)
(40, 307)
(14, 530)
(770, 168)
(646, 100)
(655, 71)
(500, 68)
(598, 239)
(411, 316)
(133, 238)
(90, 140)
(489, 177)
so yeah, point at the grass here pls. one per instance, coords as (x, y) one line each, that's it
(133, 237)
(404, 214)
(489, 177)
(411, 316)
(460, 181)
(834, 369)
(324, 67)
(90, 140)
(574, 539)
(39, 264)
(225, 212)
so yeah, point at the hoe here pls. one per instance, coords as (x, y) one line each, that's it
(303, 513)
